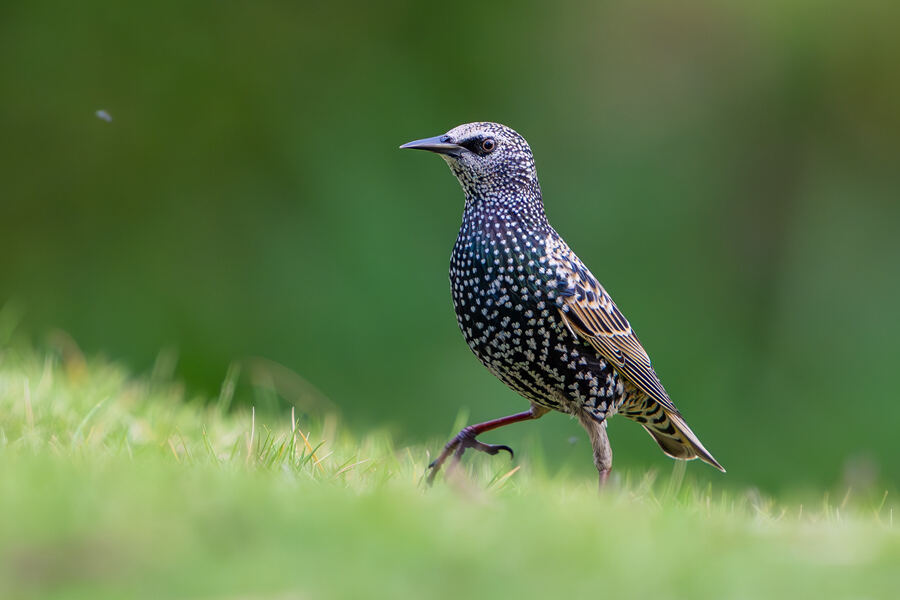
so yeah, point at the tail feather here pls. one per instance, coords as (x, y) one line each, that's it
(672, 433)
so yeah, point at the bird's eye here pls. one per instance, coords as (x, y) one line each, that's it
(488, 145)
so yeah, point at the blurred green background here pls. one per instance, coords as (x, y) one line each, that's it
(728, 170)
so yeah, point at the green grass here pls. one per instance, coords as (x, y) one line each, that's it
(113, 486)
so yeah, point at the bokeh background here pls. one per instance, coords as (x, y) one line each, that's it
(729, 171)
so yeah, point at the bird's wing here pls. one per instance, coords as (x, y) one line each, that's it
(588, 311)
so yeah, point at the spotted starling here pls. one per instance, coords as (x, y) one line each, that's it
(534, 315)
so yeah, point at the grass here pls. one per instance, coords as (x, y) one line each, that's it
(113, 486)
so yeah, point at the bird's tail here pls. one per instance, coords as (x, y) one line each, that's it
(672, 433)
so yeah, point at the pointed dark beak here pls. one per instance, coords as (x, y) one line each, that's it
(440, 144)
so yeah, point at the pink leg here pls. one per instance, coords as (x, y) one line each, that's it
(465, 439)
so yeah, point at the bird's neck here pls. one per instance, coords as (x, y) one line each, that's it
(494, 214)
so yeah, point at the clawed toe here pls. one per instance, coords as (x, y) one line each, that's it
(464, 440)
(491, 449)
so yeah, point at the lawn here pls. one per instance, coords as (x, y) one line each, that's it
(117, 486)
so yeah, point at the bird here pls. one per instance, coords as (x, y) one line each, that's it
(535, 316)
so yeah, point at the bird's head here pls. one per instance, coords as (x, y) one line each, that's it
(488, 159)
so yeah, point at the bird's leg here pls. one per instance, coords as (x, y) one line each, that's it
(600, 445)
(603, 455)
(465, 439)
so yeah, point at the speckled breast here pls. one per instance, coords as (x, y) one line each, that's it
(503, 297)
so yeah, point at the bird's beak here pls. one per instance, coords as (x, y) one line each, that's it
(440, 144)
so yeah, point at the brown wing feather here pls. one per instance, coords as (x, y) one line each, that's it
(588, 310)
(620, 347)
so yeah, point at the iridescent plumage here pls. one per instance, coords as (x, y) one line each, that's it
(534, 315)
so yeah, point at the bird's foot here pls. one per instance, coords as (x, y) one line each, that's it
(604, 477)
(461, 442)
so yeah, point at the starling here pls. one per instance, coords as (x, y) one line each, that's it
(533, 313)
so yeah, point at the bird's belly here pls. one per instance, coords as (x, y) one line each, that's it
(522, 340)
